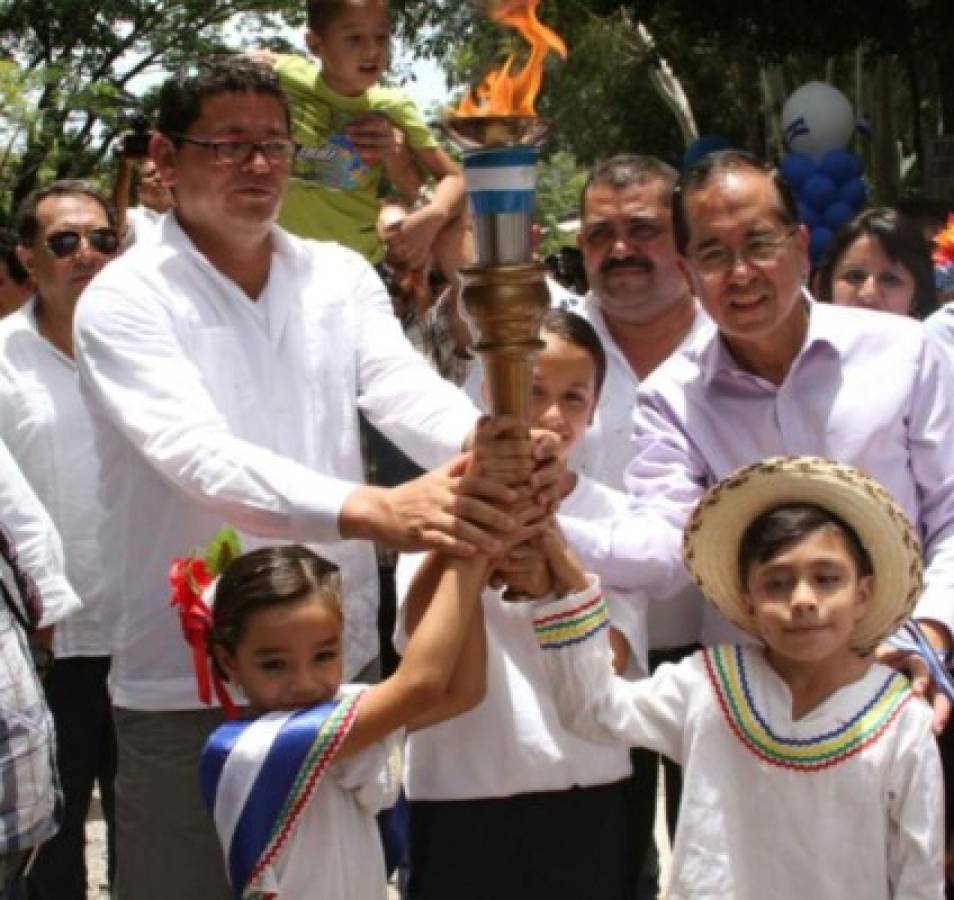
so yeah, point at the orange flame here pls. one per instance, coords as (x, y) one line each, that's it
(504, 94)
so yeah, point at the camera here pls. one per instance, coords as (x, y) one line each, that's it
(135, 143)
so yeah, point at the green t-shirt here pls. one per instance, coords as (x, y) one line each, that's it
(333, 195)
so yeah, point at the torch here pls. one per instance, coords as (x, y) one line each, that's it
(504, 292)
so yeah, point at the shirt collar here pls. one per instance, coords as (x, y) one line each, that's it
(174, 234)
(824, 330)
(593, 313)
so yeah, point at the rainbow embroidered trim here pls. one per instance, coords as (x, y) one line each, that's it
(572, 626)
(323, 751)
(726, 670)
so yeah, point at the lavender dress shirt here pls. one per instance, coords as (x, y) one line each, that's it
(866, 389)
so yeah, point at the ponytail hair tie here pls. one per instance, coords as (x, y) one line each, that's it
(193, 580)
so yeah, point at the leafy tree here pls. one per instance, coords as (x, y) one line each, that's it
(77, 65)
(737, 61)
(559, 186)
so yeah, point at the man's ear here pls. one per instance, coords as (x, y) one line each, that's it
(163, 153)
(25, 255)
(802, 238)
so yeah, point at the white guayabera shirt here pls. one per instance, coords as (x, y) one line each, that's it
(210, 408)
(45, 424)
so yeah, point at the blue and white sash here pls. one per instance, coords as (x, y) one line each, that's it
(257, 777)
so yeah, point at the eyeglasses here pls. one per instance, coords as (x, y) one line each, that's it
(238, 153)
(66, 243)
(760, 250)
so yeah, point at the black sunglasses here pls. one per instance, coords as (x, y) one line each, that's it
(66, 243)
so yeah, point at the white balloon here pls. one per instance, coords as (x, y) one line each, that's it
(817, 118)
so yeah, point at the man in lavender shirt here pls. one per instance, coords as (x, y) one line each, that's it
(781, 375)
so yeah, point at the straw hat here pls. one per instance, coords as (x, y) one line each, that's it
(713, 535)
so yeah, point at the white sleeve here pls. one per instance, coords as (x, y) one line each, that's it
(628, 615)
(916, 813)
(641, 547)
(405, 399)
(38, 545)
(136, 372)
(592, 702)
(373, 776)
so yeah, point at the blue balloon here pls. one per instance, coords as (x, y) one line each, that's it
(817, 242)
(840, 166)
(796, 169)
(808, 215)
(818, 192)
(703, 146)
(837, 214)
(854, 193)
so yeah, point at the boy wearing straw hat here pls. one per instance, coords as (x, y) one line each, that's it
(809, 769)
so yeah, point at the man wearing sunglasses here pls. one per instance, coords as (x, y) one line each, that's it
(225, 363)
(66, 235)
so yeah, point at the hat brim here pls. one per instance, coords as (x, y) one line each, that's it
(713, 535)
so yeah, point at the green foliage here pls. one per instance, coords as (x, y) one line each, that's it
(601, 101)
(222, 549)
(559, 188)
(77, 70)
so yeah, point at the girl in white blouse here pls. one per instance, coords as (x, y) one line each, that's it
(294, 787)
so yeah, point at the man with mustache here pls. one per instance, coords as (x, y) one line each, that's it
(643, 309)
(782, 375)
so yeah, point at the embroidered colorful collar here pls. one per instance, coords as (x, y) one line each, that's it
(725, 667)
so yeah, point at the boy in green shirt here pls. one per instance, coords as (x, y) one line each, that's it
(352, 131)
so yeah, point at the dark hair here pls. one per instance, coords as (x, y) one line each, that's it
(268, 577)
(777, 529)
(621, 171)
(182, 95)
(8, 256)
(927, 213)
(575, 330)
(321, 13)
(28, 225)
(902, 242)
(720, 163)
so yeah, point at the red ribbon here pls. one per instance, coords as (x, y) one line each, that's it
(189, 577)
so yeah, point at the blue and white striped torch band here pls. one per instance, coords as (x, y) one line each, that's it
(502, 180)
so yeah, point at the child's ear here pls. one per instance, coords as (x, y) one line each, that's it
(312, 42)
(863, 596)
(226, 661)
(592, 415)
(747, 602)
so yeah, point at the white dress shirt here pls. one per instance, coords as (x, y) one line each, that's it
(210, 408)
(142, 224)
(607, 449)
(39, 549)
(45, 424)
(866, 389)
